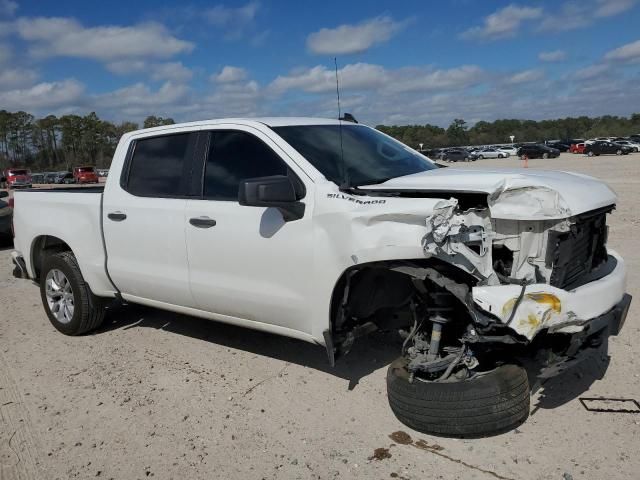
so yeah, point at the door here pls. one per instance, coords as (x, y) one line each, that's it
(144, 222)
(247, 262)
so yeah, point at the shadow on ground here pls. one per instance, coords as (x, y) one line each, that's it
(369, 353)
(574, 382)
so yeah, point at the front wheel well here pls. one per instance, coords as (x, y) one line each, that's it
(45, 245)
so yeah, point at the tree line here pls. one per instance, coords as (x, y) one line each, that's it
(59, 143)
(485, 133)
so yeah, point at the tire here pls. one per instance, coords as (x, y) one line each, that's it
(590, 154)
(545, 155)
(500, 156)
(486, 405)
(480, 157)
(618, 152)
(88, 310)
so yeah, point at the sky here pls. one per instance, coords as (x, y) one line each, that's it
(406, 62)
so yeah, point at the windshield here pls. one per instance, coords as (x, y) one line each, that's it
(369, 156)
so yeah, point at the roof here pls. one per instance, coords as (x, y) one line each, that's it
(269, 121)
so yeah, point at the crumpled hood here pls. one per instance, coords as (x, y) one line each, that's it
(512, 193)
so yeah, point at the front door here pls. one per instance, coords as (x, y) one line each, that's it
(247, 262)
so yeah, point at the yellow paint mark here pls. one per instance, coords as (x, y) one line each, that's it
(531, 321)
(551, 301)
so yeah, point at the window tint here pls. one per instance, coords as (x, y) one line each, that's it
(160, 165)
(235, 156)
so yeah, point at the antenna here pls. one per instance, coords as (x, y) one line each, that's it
(345, 179)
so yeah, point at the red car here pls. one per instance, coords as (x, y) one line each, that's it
(16, 177)
(85, 175)
(577, 148)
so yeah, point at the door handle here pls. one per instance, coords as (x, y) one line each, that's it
(117, 216)
(202, 222)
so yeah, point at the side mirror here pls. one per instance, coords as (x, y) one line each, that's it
(274, 191)
(4, 194)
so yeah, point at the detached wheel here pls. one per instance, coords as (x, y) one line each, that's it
(70, 305)
(484, 405)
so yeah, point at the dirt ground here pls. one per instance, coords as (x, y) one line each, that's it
(154, 394)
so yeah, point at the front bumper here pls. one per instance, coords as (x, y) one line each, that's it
(546, 307)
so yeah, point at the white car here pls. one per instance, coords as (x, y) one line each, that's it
(489, 153)
(635, 146)
(325, 231)
(511, 150)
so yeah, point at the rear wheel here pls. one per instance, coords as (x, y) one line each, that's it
(619, 152)
(70, 305)
(590, 154)
(485, 404)
(545, 155)
(480, 157)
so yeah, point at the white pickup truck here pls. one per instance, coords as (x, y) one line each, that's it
(326, 230)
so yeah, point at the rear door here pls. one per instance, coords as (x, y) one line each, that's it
(247, 262)
(144, 219)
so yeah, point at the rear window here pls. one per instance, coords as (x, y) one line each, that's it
(18, 172)
(160, 166)
(86, 169)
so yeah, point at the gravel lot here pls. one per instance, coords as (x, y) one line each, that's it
(154, 394)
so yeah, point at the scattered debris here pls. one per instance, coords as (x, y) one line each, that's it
(380, 454)
(611, 405)
(404, 438)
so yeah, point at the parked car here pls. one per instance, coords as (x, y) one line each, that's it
(488, 153)
(537, 150)
(85, 174)
(455, 155)
(577, 148)
(562, 147)
(628, 143)
(64, 178)
(6, 214)
(479, 271)
(602, 148)
(511, 150)
(37, 178)
(16, 177)
(635, 138)
(49, 177)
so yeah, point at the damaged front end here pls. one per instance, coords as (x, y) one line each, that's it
(517, 278)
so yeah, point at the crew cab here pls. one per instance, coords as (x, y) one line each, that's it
(85, 175)
(16, 177)
(326, 230)
(603, 147)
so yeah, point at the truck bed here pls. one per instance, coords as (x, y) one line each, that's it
(72, 214)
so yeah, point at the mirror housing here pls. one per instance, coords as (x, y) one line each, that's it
(275, 191)
(4, 194)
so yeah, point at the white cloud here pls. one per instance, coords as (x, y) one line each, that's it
(5, 53)
(591, 72)
(526, 76)
(346, 39)
(626, 53)
(230, 74)
(8, 8)
(365, 76)
(174, 72)
(552, 56)
(503, 23)
(234, 21)
(67, 93)
(608, 8)
(11, 78)
(57, 36)
(140, 96)
(355, 76)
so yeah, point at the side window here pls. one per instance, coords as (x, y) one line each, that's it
(161, 166)
(235, 156)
